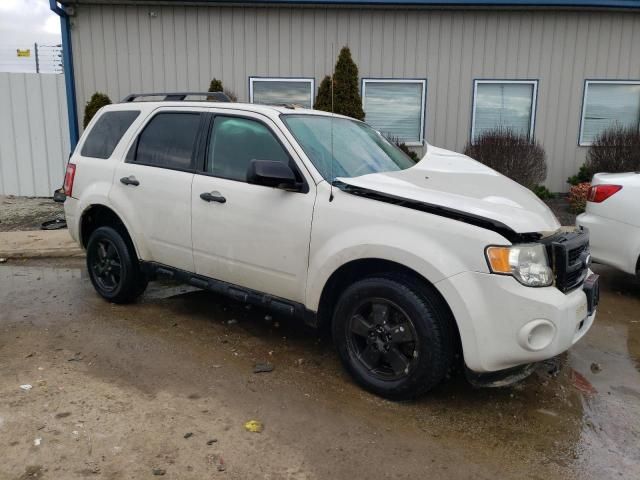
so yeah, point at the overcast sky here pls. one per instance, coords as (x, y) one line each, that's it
(23, 23)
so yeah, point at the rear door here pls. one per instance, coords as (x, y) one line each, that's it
(152, 188)
(251, 235)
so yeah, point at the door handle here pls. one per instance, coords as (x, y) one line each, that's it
(130, 180)
(212, 197)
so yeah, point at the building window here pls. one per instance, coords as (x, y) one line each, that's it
(282, 91)
(607, 104)
(395, 108)
(504, 104)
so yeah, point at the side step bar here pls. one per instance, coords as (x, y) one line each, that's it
(241, 294)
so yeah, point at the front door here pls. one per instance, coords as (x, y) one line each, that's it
(250, 235)
(152, 188)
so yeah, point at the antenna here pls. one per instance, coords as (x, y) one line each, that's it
(333, 72)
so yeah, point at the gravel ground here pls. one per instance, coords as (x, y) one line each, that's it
(560, 207)
(26, 213)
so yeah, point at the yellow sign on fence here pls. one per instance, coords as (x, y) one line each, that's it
(24, 53)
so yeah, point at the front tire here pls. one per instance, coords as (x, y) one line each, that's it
(393, 336)
(113, 267)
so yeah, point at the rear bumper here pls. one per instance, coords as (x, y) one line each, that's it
(504, 324)
(72, 217)
(611, 242)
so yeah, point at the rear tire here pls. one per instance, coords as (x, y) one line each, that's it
(394, 338)
(113, 266)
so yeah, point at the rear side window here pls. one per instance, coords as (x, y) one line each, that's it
(237, 141)
(168, 141)
(107, 132)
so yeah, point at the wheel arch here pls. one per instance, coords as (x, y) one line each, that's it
(99, 215)
(359, 269)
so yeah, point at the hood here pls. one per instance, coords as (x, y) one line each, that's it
(453, 181)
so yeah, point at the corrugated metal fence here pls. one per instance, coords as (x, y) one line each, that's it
(34, 133)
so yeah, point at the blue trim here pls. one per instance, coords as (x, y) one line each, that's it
(445, 3)
(69, 77)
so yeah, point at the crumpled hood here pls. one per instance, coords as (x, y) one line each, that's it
(451, 180)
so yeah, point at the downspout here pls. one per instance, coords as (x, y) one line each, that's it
(69, 77)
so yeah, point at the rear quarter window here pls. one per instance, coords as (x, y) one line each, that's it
(107, 132)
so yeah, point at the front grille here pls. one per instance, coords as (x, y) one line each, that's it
(569, 255)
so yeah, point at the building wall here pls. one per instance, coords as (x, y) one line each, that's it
(34, 133)
(122, 49)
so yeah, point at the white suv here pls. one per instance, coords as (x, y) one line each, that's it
(411, 266)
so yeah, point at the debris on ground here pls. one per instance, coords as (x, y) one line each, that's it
(216, 461)
(299, 362)
(76, 357)
(26, 387)
(188, 434)
(263, 368)
(3, 260)
(158, 471)
(233, 321)
(212, 441)
(254, 426)
(596, 367)
(37, 442)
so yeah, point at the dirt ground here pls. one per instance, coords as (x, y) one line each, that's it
(27, 213)
(165, 386)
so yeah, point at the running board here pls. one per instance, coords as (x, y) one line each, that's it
(241, 294)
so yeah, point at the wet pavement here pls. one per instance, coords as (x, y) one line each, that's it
(117, 389)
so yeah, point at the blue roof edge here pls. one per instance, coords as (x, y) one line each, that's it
(447, 3)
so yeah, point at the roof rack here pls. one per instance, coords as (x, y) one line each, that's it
(179, 96)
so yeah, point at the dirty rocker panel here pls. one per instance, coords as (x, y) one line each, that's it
(441, 211)
(242, 294)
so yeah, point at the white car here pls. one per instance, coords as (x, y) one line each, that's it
(317, 216)
(613, 219)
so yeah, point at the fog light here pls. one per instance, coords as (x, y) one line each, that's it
(536, 335)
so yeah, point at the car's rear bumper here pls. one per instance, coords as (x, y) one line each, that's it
(504, 324)
(611, 242)
(72, 216)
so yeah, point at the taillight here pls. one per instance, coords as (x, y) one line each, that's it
(599, 193)
(68, 179)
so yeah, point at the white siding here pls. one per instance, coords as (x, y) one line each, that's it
(34, 134)
(122, 49)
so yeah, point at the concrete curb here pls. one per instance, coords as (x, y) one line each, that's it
(38, 243)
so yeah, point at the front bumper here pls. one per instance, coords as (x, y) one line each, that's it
(504, 324)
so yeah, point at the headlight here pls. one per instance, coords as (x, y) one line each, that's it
(528, 263)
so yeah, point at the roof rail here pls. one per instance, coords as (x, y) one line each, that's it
(179, 96)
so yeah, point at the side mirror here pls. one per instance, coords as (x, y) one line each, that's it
(272, 174)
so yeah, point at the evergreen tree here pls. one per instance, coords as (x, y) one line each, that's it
(98, 100)
(216, 86)
(323, 100)
(346, 92)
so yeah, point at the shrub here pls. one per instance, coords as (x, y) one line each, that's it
(216, 86)
(583, 175)
(97, 101)
(323, 99)
(511, 154)
(542, 192)
(346, 91)
(617, 149)
(403, 146)
(578, 197)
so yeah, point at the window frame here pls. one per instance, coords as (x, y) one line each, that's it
(196, 154)
(310, 80)
(588, 81)
(423, 102)
(205, 144)
(534, 101)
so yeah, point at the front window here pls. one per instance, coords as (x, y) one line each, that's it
(339, 147)
(504, 105)
(395, 107)
(281, 91)
(608, 104)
